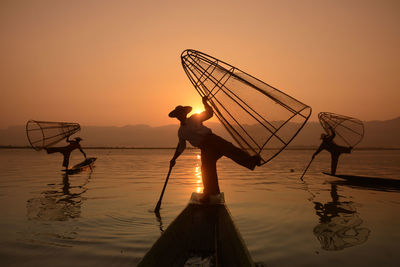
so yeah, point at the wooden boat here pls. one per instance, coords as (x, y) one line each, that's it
(374, 183)
(201, 235)
(86, 164)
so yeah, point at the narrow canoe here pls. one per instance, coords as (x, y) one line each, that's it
(201, 235)
(378, 183)
(86, 164)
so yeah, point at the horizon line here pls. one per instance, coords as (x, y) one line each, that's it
(172, 124)
(194, 148)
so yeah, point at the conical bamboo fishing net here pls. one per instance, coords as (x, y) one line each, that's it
(42, 134)
(349, 131)
(259, 117)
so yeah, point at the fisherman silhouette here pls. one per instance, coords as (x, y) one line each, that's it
(66, 150)
(335, 150)
(212, 146)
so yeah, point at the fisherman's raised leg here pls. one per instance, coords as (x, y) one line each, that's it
(236, 154)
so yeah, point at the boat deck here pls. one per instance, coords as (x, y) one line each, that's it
(202, 233)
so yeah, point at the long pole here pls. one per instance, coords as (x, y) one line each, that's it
(157, 209)
(301, 177)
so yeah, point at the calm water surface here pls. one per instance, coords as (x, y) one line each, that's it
(104, 218)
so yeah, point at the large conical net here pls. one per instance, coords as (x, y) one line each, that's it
(42, 134)
(349, 131)
(259, 117)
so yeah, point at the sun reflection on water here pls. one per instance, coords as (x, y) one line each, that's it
(197, 174)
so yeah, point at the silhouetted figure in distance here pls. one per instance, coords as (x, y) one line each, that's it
(335, 150)
(212, 147)
(66, 150)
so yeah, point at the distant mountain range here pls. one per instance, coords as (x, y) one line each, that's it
(378, 134)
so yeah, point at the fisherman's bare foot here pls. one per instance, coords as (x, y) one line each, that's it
(258, 160)
(255, 161)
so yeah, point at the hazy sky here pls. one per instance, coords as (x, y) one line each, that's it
(118, 62)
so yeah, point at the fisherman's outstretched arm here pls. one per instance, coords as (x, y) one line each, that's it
(80, 149)
(321, 147)
(179, 149)
(332, 134)
(208, 111)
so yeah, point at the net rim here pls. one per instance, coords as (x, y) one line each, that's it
(29, 139)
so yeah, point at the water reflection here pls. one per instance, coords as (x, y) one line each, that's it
(198, 189)
(57, 203)
(339, 225)
(197, 173)
(159, 220)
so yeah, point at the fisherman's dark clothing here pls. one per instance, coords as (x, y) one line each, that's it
(65, 150)
(334, 149)
(212, 148)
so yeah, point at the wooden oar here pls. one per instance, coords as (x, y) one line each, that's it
(301, 177)
(157, 209)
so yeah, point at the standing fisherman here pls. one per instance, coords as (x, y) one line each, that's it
(66, 150)
(335, 150)
(212, 146)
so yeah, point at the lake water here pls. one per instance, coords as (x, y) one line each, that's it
(103, 217)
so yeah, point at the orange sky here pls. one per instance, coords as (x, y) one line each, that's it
(118, 62)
